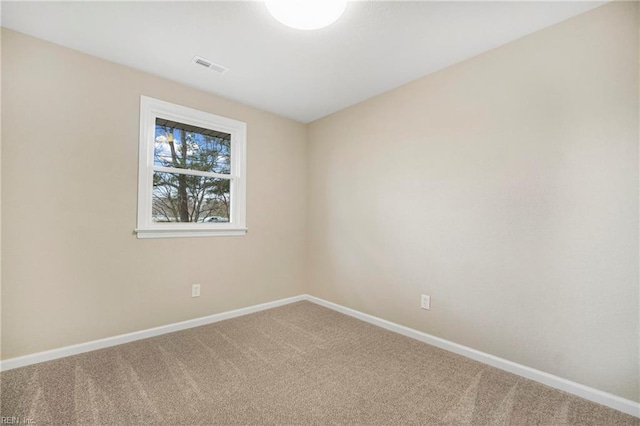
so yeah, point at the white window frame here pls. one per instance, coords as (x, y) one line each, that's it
(150, 109)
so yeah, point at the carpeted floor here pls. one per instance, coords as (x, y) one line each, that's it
(298, 364)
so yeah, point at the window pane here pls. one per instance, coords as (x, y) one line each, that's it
(188, 147)
(185, 198)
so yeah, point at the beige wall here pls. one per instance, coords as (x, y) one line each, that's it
(506, 187)
(73, 270)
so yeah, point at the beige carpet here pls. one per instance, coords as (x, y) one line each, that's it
(298, 364)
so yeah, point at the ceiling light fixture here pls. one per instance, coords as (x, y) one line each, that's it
(306, 14)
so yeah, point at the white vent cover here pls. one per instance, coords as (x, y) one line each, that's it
(208, 64)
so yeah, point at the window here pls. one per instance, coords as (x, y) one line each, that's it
(191, 180)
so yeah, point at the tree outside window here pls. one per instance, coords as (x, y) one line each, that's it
(186, 198)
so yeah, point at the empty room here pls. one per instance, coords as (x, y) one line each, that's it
(320, 212)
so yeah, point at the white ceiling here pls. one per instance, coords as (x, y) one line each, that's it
(304, 75)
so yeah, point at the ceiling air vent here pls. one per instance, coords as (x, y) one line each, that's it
(208, 64)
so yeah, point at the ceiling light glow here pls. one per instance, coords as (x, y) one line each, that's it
(306, 14)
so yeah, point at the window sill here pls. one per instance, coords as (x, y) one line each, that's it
(187, 233)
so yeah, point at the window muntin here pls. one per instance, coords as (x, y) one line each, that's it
(192, 172)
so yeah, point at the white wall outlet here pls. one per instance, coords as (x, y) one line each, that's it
(195, 290)
(425, 302)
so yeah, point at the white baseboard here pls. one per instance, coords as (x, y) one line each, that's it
(607, 399)
(36, 358)
(586, 392)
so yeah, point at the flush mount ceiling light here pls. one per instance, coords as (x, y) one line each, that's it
(306, 14)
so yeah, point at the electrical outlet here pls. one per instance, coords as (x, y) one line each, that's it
(425, 302)
(195, 290)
